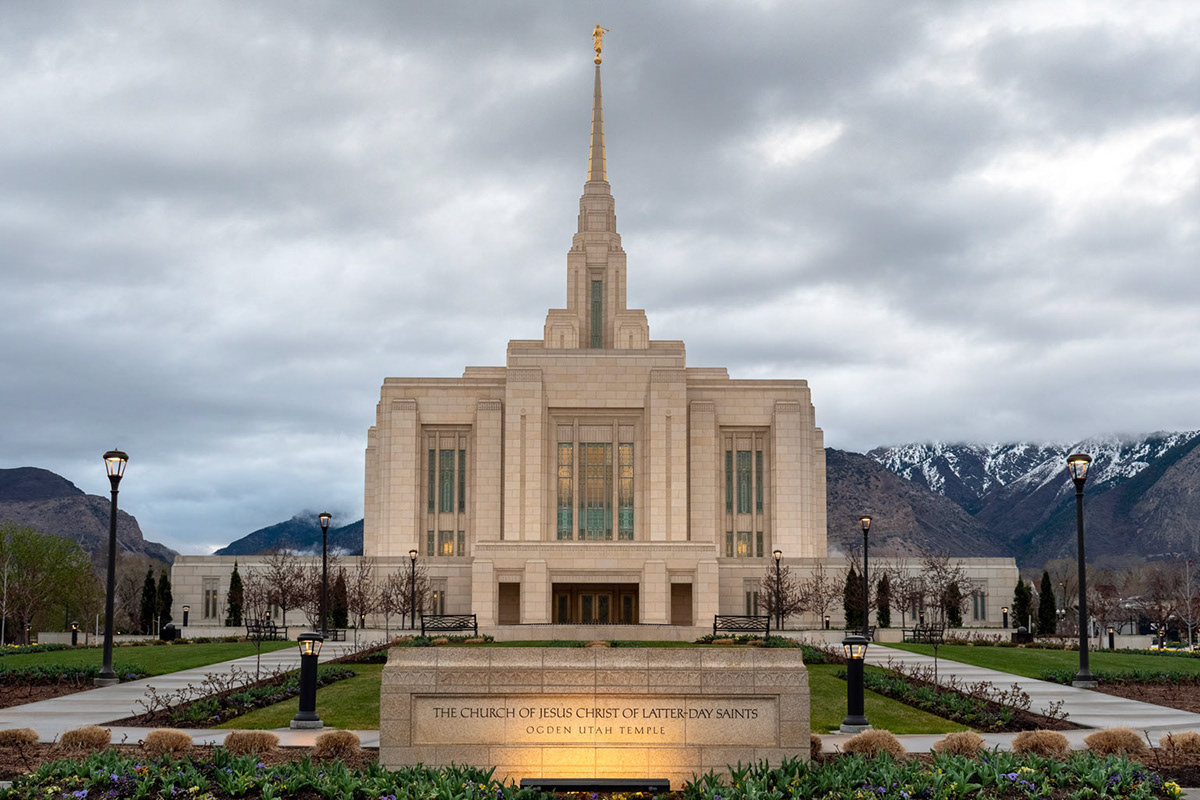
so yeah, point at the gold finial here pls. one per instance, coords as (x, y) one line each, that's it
(598, 40)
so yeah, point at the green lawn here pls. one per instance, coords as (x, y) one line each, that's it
(1031, 663)
(156, 660)
(353, 704)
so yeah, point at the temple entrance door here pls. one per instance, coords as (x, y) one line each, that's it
(595, 604)
(595, 608)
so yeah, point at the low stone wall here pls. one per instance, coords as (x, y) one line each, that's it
(544, 712)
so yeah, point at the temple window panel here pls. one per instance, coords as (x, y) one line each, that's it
(746, 508)
(446, 476)
(595, 481)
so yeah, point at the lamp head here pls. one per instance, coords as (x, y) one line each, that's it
(310, 643)
(855, 647)
(778, 555)
(114, 463)
(1077, 465)
(412, 555)
(74, 626)
(324, 517)
(1004, 609)
(865, 522)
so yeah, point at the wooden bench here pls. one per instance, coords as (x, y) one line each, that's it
(742, 623)
(335, 635)
(925, 634)
(265, 629)
(449, 623)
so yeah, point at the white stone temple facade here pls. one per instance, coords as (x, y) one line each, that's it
(595, 478)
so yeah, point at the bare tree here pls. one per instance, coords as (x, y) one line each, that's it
(908, 588)
(819, 591)
(392, 599)
(778, 583)
(309, 600)
(946, 585)
(284, 574)
(362, 595)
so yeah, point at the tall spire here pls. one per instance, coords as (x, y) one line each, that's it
(597, 168)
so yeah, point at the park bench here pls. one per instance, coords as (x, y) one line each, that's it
(926, 634)
(335, 635)
(742, 623)
(858, 631)
(449, 623)
(265, 629)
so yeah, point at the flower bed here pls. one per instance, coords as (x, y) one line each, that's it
(215, 775)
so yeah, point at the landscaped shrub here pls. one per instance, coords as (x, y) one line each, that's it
(74, 675)
(86, 738)
(940, 700)
(814, 745)
(1116, 741)
(874, 742)
(336, 744)
(167, 740)
(1186, 742)
(1048, 744)
(962, 743)
(246, 743)
(18, 737)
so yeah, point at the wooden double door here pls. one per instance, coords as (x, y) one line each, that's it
(596, 603)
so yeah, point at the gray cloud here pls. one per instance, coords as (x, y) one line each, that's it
(222, 226)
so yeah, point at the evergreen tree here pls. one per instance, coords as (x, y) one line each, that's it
(149, 603)
(235, 598)
(339, 604)
(883, 601)
(163, 598)
(852, 600)
(1022, 604)
(1047, 615)
(952, 605)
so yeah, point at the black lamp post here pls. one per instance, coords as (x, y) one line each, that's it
(826, 622)
(74, 634)
(1004, 611)
(1112, 643)
(778, 554)
(324, 517)
(855, 648)
(114, 463)
(186, 609)
(310, 648)
(865, 522)
(1077, 465)
(412, 590)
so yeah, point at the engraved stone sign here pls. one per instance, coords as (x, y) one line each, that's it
(629, 712)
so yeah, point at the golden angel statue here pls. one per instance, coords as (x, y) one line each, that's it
(598, 40)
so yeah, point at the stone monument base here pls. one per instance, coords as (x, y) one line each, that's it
(594, 712)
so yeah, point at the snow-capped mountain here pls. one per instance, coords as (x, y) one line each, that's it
(1143, 492)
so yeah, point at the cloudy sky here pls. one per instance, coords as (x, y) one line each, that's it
(223, 224)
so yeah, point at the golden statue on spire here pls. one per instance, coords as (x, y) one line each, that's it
(598, 40)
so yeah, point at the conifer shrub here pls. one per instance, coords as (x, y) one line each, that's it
(1187, 742)
(89, 737)
(336, 744)
(250, 743)
(962, 743)
(1048, 744)
(874, 742)
(167, 740)
(1116, 741)
(18, 737)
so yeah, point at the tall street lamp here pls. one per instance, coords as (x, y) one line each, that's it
(324, 517)
(1077, 465)
(114, 463)
(865, 522)
(310, 648)
(412, 590)
(778, 592)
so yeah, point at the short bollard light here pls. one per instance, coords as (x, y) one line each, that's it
(1004, 611)
(826, 622)
(310, 648)
(74, 634)
(1112, 639)
(855, 649)
(186, 609)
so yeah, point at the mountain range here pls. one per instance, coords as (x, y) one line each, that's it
(1142, 499)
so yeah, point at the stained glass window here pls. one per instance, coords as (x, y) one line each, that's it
(595, 496)
(625, 492)
(566, 467)
(758, 481)
(597, 314)
(743, 481)
(432, 479)
(462, 482)
(446, 487)
(728, 482)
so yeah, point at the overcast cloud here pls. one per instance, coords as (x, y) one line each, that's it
(222, 225)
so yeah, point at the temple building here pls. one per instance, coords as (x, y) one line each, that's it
(595, 478)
